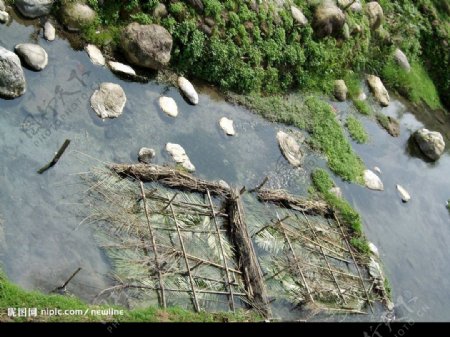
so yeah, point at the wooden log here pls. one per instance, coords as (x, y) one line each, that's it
(170, 177)
(246, 255)
(62, 289)
(311, 207)
(56, 157)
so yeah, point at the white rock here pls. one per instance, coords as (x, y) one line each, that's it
(298, 16)
(290, 148)
(404, 193)
(377, 169)
(179, 156)
(169, 106)
(95, 55)
(109, 100)
(33, 55)
(188, 90)
(402, 60)
(378, 89)
(362, 96)
(121, 68)
(49, 31)
(431, 143)
(372, 181)
(375, 270)
(373, 249)
(2, 6)
(336, 191)
(227, 126)
(4, 17)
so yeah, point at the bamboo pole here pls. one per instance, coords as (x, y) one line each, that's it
(56, 158)
(155, 250)
(354, 261)
(325, 258)
(194, 294)
(225, 263)
(280, 223)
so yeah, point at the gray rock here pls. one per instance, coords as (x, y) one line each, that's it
(340, 90)
(346, 31)
(375, 270)
(95, 55)
(373, 249)
(34, 8)
(12, 78)
(377, 169)
(179, 156)
(76, 15)
(49, 31)
(298, 16)
(402, 60)
(372, 181)
(197, 4)
(146, 155)
(378, 90)
(356, 6)
(336, 191)
(33, 55)
(431, 143)
(290, 148)
(227, 126)
(4, 16)
(160, 11)
(2, 6)
(109, 100)
(188, 90)
(328, 19)
(148, 46)
(375, 14)
(121, 68)
(403, 193)
(169, 106)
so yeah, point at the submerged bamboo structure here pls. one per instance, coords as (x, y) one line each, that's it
(172, 237)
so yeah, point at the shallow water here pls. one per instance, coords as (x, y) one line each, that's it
(45, 242)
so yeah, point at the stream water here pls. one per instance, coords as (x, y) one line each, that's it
(44, 241)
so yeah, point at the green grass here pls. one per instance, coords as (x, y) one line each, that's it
(322, 183)
(415, 85)
(383, 120)
(319, 119)
(12, 296)
(363, 107)
(356, 130)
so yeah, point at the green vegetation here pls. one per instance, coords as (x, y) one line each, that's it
(356, 130)
(319, 119)
(12, 296)
(388, 288)
(363, 107)
(383, 120)
(322, 183)
(265, 51)
(415, 85)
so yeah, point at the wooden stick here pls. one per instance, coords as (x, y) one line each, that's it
(280, 223)
(191, 280)
(269, 225)
(325, 258)
(354, 261)
(170, 201)
(56, 157)
(63, 287)
(222, 251)
(257, 188)
(155, 250)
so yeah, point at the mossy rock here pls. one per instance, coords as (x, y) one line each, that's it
(77, 15)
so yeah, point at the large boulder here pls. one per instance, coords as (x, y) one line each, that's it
(33, 55)
(12, 78)
(290, 148)
(431, 143)
(402, 60)
(148, 46)
(340, 90)
(34, 8)
(378, 89)
(375, 14)
(328, 19)
(76, 15)
(109, 100)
